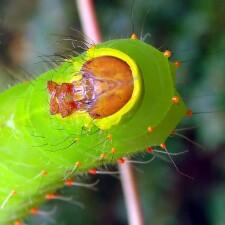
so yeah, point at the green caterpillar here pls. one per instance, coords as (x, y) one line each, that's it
(114, 100)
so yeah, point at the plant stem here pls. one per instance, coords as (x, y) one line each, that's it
(130, 190)
(91, 29)
(88, 19)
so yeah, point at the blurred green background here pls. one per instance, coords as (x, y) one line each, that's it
(195, 32)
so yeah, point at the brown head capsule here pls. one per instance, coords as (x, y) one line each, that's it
(106, 86)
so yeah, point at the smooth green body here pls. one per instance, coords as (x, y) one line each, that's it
(33, 141)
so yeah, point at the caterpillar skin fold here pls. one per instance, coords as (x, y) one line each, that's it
(118, 95)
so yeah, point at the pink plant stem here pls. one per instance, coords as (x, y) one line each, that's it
(130, 190)
(91, 29)
(89, 20)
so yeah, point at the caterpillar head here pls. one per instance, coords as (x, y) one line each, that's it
(105, 87)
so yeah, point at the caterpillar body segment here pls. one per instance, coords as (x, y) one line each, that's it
(122, 89)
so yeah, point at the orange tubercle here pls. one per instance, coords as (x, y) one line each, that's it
(51, 196)
(34, 211)
(18, 222)
(121, 160)
(103, 156)
(175, 100)
(189, 113)
(77, 164)
(150, 129)
(177, 64)
(44, 173)
(109, 137)
(113, 150)
(149, 149)
(163, 145)
(69, 182)
(167, 53)
(92, 171)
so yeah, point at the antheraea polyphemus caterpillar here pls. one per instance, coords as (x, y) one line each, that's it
(114, 100)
